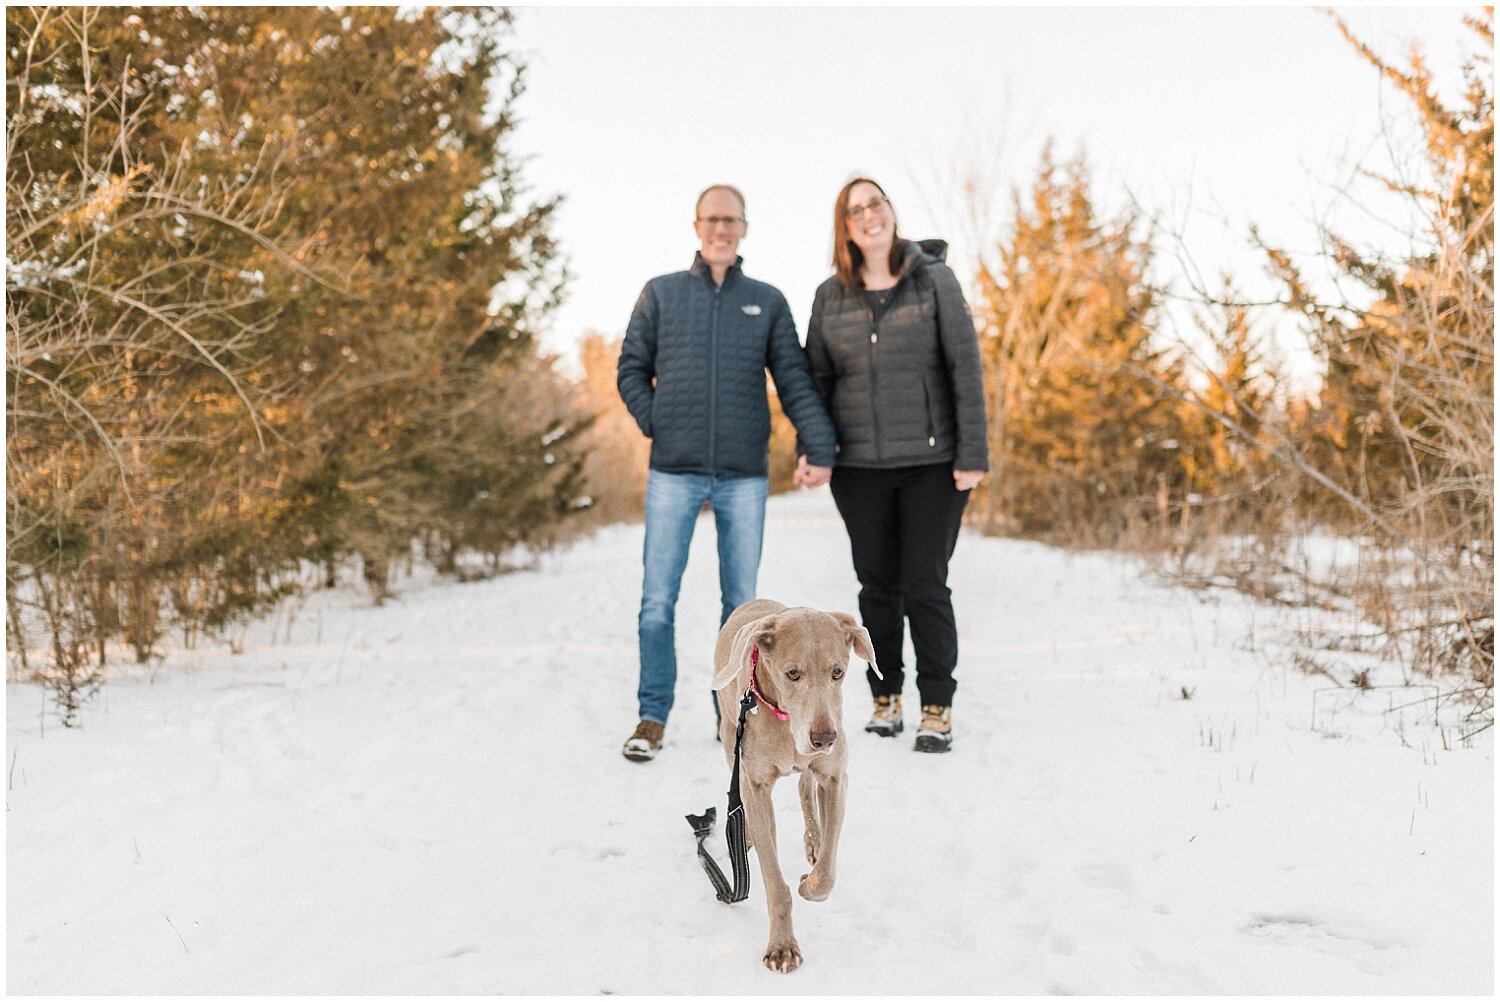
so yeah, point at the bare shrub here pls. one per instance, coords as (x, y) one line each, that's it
(1397, 445)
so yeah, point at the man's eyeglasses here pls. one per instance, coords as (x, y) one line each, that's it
(728, 222)
(873, 205)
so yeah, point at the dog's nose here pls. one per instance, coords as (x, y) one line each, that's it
(823, 740)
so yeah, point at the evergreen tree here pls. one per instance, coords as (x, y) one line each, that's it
(1080, 436)
(275, 277)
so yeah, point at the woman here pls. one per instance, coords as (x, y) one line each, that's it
(894, 354)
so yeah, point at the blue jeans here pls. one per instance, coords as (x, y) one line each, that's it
(673, 501)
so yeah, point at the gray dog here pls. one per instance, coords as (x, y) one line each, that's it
(795, 659)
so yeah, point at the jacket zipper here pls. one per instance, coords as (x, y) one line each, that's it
(874, 344)
(713, 378)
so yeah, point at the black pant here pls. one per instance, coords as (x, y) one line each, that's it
(902, 525)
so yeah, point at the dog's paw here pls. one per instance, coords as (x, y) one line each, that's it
(811, 842)
(815, 886)
(783, 957)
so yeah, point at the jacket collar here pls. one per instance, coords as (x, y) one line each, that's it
(700, 269)
(915, 254)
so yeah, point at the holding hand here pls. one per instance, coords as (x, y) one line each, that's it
(967, 480)
(811, 476)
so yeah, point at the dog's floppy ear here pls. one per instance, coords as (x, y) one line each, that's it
(758, 632)
(859, 640)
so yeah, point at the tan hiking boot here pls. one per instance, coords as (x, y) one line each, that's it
(645, 742)
(886, 721)
(935, 732)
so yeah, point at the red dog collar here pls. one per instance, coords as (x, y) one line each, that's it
(754, 662)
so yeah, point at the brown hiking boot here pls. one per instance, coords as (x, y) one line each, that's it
(645, 742)
(935, 733)
(886, 721)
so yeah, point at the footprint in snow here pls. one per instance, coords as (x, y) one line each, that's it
(1313, 934)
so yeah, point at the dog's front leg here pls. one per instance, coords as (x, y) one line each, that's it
(782, 951)
(818, 884)
(812, 832)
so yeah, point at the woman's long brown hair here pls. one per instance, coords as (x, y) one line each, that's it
(847, 258)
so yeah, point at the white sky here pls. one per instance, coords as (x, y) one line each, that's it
(1217, 116)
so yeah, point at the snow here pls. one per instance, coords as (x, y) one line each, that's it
(428, 797)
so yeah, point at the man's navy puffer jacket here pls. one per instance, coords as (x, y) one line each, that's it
(693, 374)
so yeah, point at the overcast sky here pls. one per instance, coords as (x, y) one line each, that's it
(1217, 117)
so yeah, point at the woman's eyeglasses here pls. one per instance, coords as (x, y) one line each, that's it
(873, 205)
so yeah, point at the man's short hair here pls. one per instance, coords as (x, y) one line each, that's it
(720, 187)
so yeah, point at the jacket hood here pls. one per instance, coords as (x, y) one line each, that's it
(921, 253)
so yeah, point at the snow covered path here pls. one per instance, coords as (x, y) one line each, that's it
(429, 798)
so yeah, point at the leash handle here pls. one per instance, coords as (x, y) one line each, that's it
(734, 828)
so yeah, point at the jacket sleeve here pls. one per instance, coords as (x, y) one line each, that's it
(817, 353)
(965, 371)
(799, 396)
(635, 376)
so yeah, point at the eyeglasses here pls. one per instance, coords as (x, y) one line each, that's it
(728, 222)
(873, 205)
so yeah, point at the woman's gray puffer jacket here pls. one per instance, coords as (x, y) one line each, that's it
(908, 389)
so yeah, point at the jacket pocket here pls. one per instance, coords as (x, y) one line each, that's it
(931, 417)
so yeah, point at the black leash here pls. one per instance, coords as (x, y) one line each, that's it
(734, 830)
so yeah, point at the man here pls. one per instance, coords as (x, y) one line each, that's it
(693, 374)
